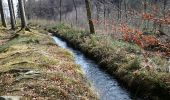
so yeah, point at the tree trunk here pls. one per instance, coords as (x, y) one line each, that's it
(40, 8)
(13, 10)
(104, 10)
(60, 10)
(75, 10)
(28, 9)
(120, 9)
(2, 14)
(89, 16)
(22, 12)
(145, 6)
(24, 2)
(164, 8)
(97, 12)
(11, 14)
(125, 8)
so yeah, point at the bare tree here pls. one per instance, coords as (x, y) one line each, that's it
(89, 16)
(24, 2)
(119, 9)
(11, 14)
(164, 7)
(125, 8)
(22, 13)
(2, 14)
(104, 3)
(98, 5)
(75, 10)
(13, 10)
(60, 9)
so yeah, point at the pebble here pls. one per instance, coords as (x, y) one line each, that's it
(10, 97)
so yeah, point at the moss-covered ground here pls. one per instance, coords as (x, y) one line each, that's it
(34, 67)
(145, 73)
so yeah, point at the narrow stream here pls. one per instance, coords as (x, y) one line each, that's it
(106, 86)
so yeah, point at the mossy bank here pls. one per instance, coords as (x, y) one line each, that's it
(146, 75)
(34, 67)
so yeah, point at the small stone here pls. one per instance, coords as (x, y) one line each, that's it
(10, 98)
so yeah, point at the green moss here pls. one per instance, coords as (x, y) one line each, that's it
(32, 65)
(5, 46)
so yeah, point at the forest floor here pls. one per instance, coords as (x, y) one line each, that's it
(145, 73)
(34, 67)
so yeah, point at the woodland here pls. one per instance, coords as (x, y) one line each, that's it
(128, 40)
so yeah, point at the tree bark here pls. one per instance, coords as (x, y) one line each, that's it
(11, 14)
(104, 9)
(89, 16)
(60, 10)
(97, 11)
(125, 8)
(120, 9)
(13, 10)
(2, 14)
(75, 10)
(24, 2)
(22, 13)
(164, 8)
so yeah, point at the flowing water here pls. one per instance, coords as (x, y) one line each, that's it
(106, 86)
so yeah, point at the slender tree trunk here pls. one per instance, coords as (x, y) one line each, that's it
(120, 10)
(22, 12)
(97, 12)
(145, 5)
(13, 10)
(89, 16)
(104, 12)
(11, 15)
(75, 10)
(40, 8)
(145, 11)
(28, 14)
(60, 9)
(125, 5)
(2, 14)
(164, 8)
(24, 1)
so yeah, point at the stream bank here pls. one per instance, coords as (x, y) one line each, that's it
(32, 66)
(105, 85)
(122, 60)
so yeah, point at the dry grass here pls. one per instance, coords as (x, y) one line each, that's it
(146, 74)
(33, 67)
